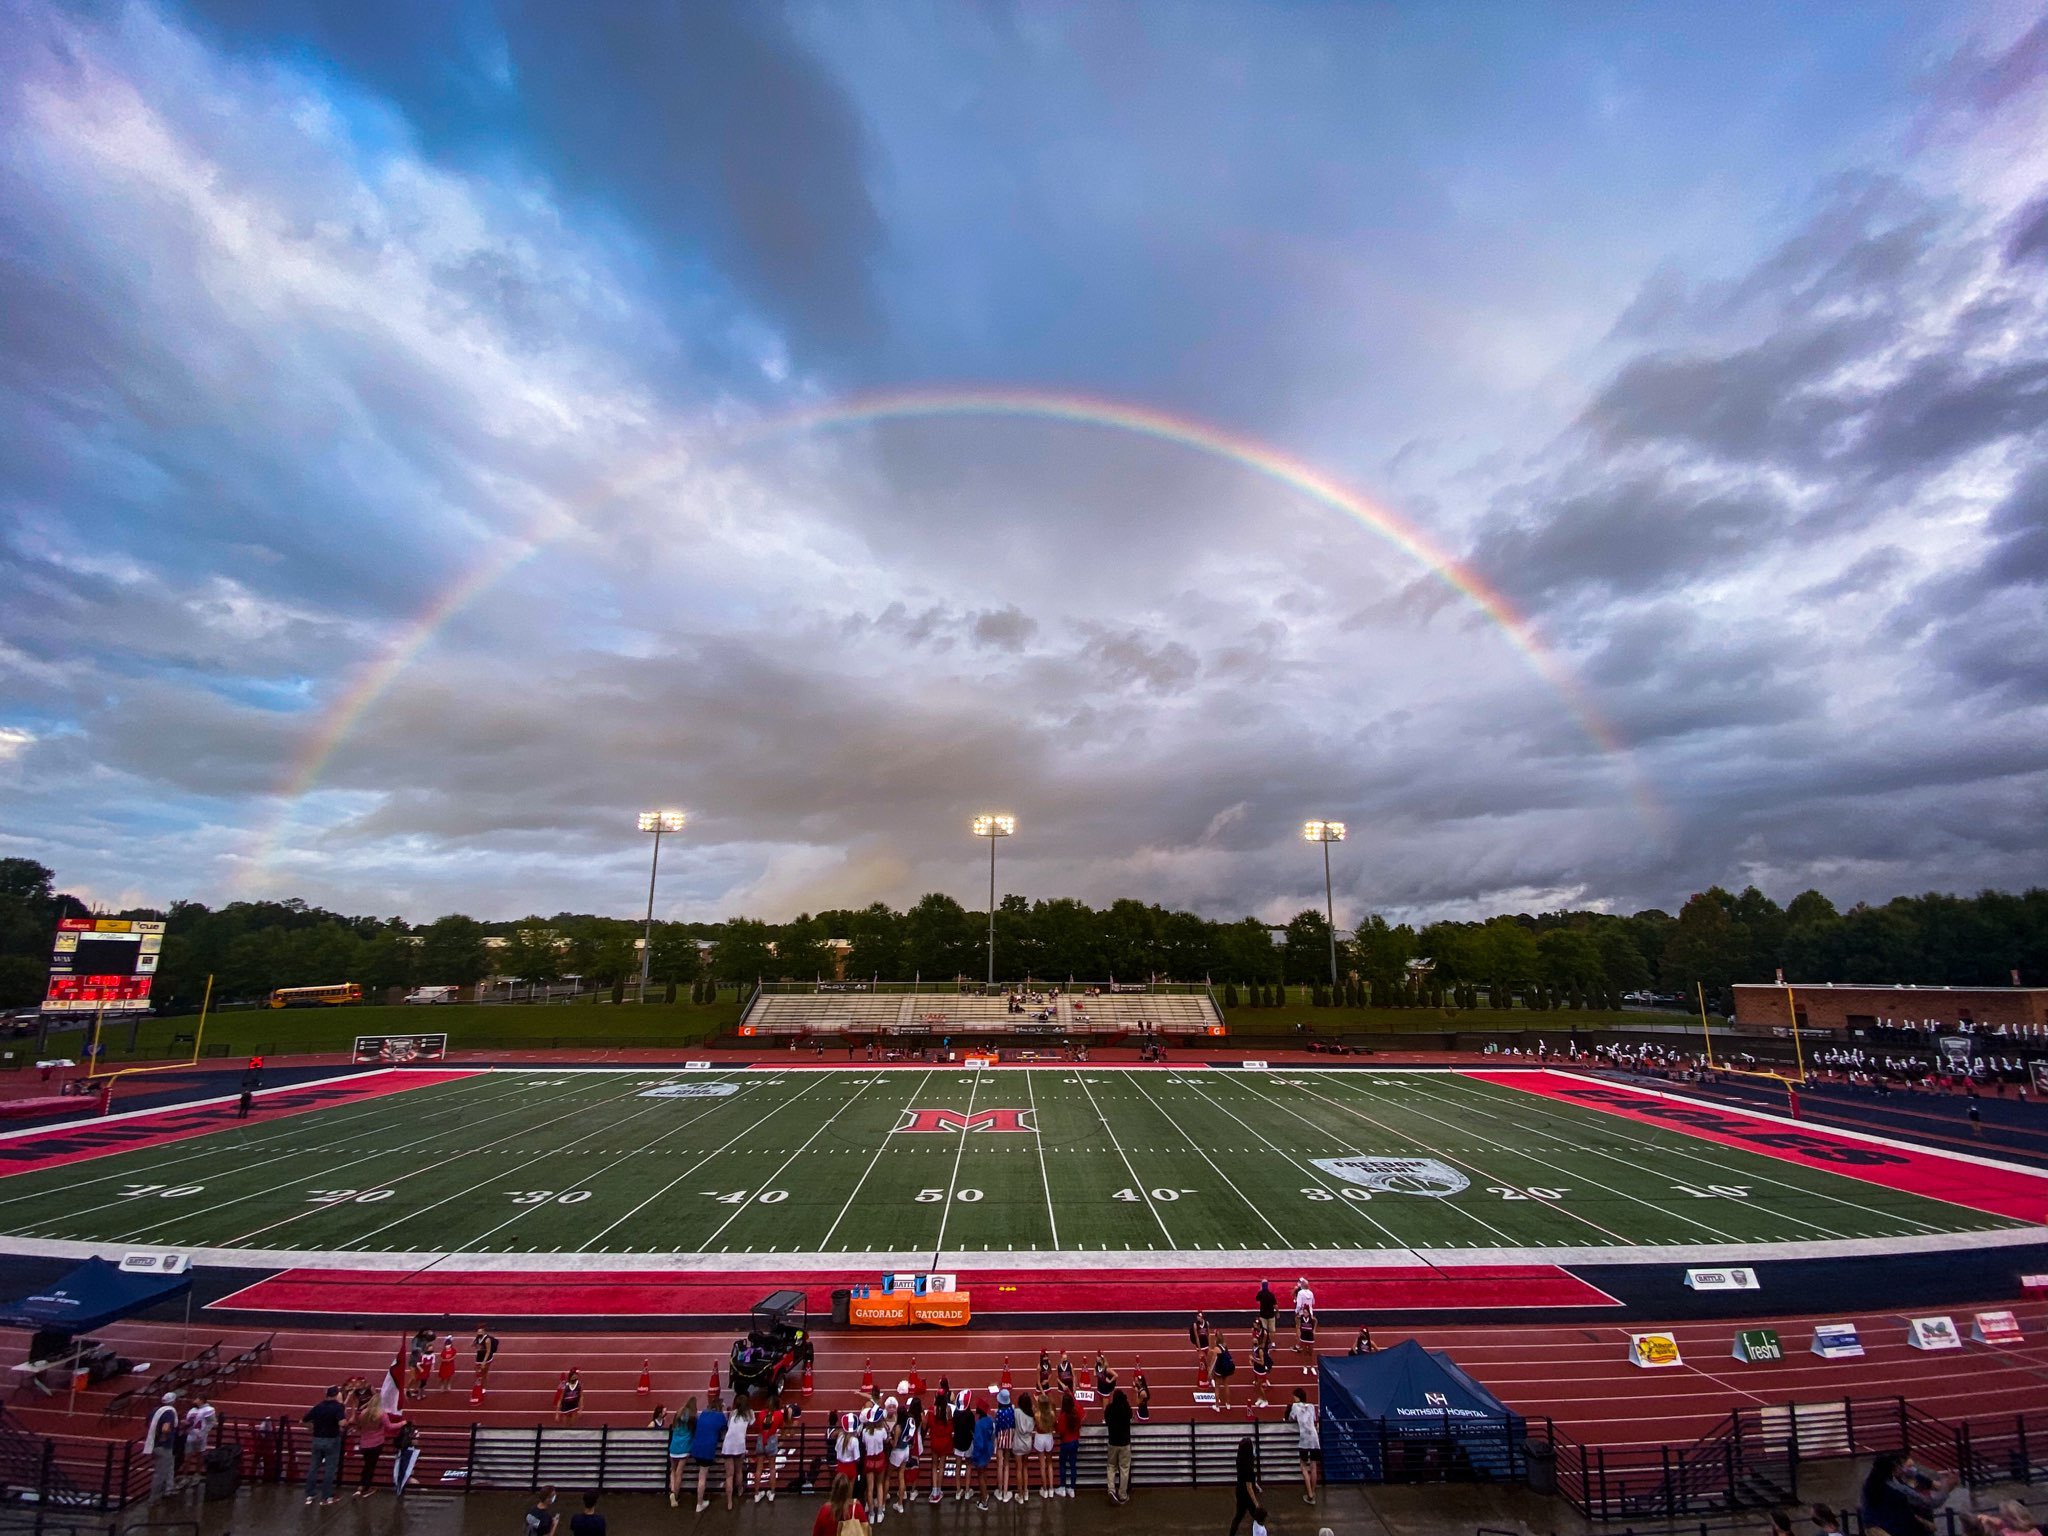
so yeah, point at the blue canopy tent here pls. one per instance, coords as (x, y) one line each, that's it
(91, 1296)
(1409, 1414)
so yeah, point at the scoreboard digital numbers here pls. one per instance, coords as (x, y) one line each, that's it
(103, 963)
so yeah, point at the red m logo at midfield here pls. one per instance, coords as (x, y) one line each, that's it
(952, 1121)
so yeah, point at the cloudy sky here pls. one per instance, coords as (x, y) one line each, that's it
(430, 434)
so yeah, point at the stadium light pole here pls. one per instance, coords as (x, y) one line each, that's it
(1326, 833)
(656, 822)
(993, 828)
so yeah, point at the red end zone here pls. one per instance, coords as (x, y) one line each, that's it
(1095, 1293)
(1997, 1188)
(125, 1133)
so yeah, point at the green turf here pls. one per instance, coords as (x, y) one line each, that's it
(806, 1162)
(469, 1026)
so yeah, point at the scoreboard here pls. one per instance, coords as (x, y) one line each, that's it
(103, 963)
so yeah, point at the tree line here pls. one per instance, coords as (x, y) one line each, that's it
(1566, 958)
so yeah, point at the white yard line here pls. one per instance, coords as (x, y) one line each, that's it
(697, 1167)
(326, 1173)
(881, 1147)
(946, 1211)
(1245, 1084)
(447, 1162)
(215, 1143)
(1137, 1183)
(1570, 1173)
(1045, 1177)
(769, 1182)
(1203, 1154)
(1314, 1175)
(1687, 1151)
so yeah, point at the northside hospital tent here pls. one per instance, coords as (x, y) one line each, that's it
(91, 1296)
(1409, 1414)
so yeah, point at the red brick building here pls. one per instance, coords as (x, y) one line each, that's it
(1841, 1007)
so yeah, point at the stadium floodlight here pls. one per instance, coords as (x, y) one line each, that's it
(1326, 833)
(993, 828)
(656, 822)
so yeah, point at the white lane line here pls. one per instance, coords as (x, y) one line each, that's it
(702, 1161)
(1136, 1183)
(881, 1146)
(1039, 1136)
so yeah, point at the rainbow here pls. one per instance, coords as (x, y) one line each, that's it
(342, 717)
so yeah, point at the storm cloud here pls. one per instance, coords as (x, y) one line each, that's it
(425, 445)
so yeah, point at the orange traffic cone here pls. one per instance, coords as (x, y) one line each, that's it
(646, 1378)
(1006, 1373)
(476, 1394)
(807, 1378)
(714, 1381)
(867, 1377)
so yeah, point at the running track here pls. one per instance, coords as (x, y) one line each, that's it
(1578, 1376)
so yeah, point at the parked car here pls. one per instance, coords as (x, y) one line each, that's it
(428, 995)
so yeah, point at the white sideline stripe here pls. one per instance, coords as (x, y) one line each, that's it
(62, 1126)
(1810, 1127)
(1134, 1258)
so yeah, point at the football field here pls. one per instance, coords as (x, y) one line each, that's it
(948, 1167)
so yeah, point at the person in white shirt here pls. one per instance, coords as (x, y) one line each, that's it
(1308, 1441)
(735, 1452)
(200, 1419)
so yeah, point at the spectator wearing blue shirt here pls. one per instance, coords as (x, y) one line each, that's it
(704, 1443)
(982, 1452)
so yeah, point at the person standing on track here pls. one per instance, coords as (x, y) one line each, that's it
(1221, 1369)
(568, 1397)
(1065, 1373)
(1305, 1329)
(1269, 1305)
(1262, 1368)
(1070, 1444)
(486, 1348)
(445, 1362)
(1205, 1347)
(1045, 1428)
(1044, 1372)
(942, 1440)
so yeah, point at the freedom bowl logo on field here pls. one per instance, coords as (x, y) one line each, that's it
(690, 1091)
(1397, 1175)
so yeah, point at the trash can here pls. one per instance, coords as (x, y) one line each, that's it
(842, 1309)
(223, 1472)
(1539, 1461)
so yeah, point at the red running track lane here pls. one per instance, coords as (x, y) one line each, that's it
(1085, 1293)
(60, 1145)
(1579, 1377)
(1978, 1184)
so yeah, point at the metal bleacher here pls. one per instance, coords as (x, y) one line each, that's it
(909, 1011)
